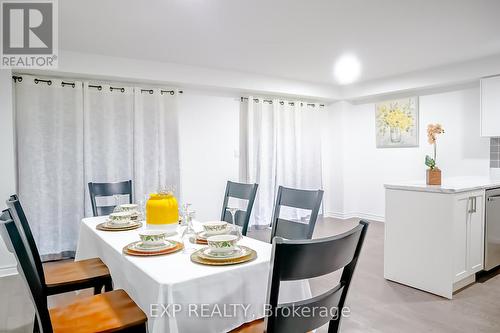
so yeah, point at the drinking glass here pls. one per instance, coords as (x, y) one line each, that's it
(235, 230)
(116, 199)
(142, 206)
(188, 234)
(184, 212)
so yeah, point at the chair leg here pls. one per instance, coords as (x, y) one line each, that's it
(36, 328)
(334, 326)
(108, 285)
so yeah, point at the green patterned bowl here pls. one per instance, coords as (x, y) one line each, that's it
(153, 237)
(215, 227)
(222, 243)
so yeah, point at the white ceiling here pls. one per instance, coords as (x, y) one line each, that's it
(286, 38)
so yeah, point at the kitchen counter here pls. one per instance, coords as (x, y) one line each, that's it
(449, 185)
(434, 235)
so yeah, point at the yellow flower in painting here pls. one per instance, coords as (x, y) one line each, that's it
(395, 116)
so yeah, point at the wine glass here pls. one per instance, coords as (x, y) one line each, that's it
(188, 234)
(184, 212)
(142, 206)
(116, 199)
(235, 229)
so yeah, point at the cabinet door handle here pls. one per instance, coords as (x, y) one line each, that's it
(473, 205)
(494, 198)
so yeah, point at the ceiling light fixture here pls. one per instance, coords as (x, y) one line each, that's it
(347, 69)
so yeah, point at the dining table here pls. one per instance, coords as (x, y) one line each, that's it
(178, 295)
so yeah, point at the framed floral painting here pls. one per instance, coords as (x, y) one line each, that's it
(397, 123)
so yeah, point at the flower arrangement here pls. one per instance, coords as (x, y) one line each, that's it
(432, 131)
(396, 116)
(433, 175)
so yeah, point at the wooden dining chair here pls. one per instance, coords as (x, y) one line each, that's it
(306, 259)
(97, 190)
(239, 191)
(63, 276)
(109, 312)
(295, 198)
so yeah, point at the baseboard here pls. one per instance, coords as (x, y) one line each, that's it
(7, 271)
(345, 216)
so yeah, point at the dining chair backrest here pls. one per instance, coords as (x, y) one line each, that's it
(21, 221)
(306, 259)
(13, 239)
(239, 191)
(97, 190)
(295, 198)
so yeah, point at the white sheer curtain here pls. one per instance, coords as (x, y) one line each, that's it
(49, 134)
(282, 147)
(108, 135)
(70, 135)
(156, 141)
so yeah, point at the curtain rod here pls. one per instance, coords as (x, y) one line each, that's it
(98, 87)
(281, 102)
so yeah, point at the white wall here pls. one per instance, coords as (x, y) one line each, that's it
(332, 154)
(209, 144)
(461, 152)
(7, 166)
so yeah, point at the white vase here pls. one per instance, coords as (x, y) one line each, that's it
(395, 134)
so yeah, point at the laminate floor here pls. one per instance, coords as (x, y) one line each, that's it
(376, 305)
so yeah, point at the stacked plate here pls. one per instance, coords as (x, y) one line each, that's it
(140, 246)
(139, 249)
(211, 228)
(119, 221)
(201, 238)
(152, 243)
(207, 256)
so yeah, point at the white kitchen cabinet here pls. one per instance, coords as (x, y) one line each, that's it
(460, 225)
(476, 235)
(490, 106)
(434, 240)
(468, 234)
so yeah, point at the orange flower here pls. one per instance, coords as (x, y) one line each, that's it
(432, 131)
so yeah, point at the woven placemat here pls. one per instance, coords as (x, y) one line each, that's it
(195, 257)
(178, 246)
(104, 227)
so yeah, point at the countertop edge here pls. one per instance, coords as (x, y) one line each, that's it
(438, 188)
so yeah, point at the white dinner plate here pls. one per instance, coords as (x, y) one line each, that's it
(203, 235)
(111, 225)
(147, 248)
(238, 252)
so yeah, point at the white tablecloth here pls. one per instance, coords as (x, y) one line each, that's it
(180, 296)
